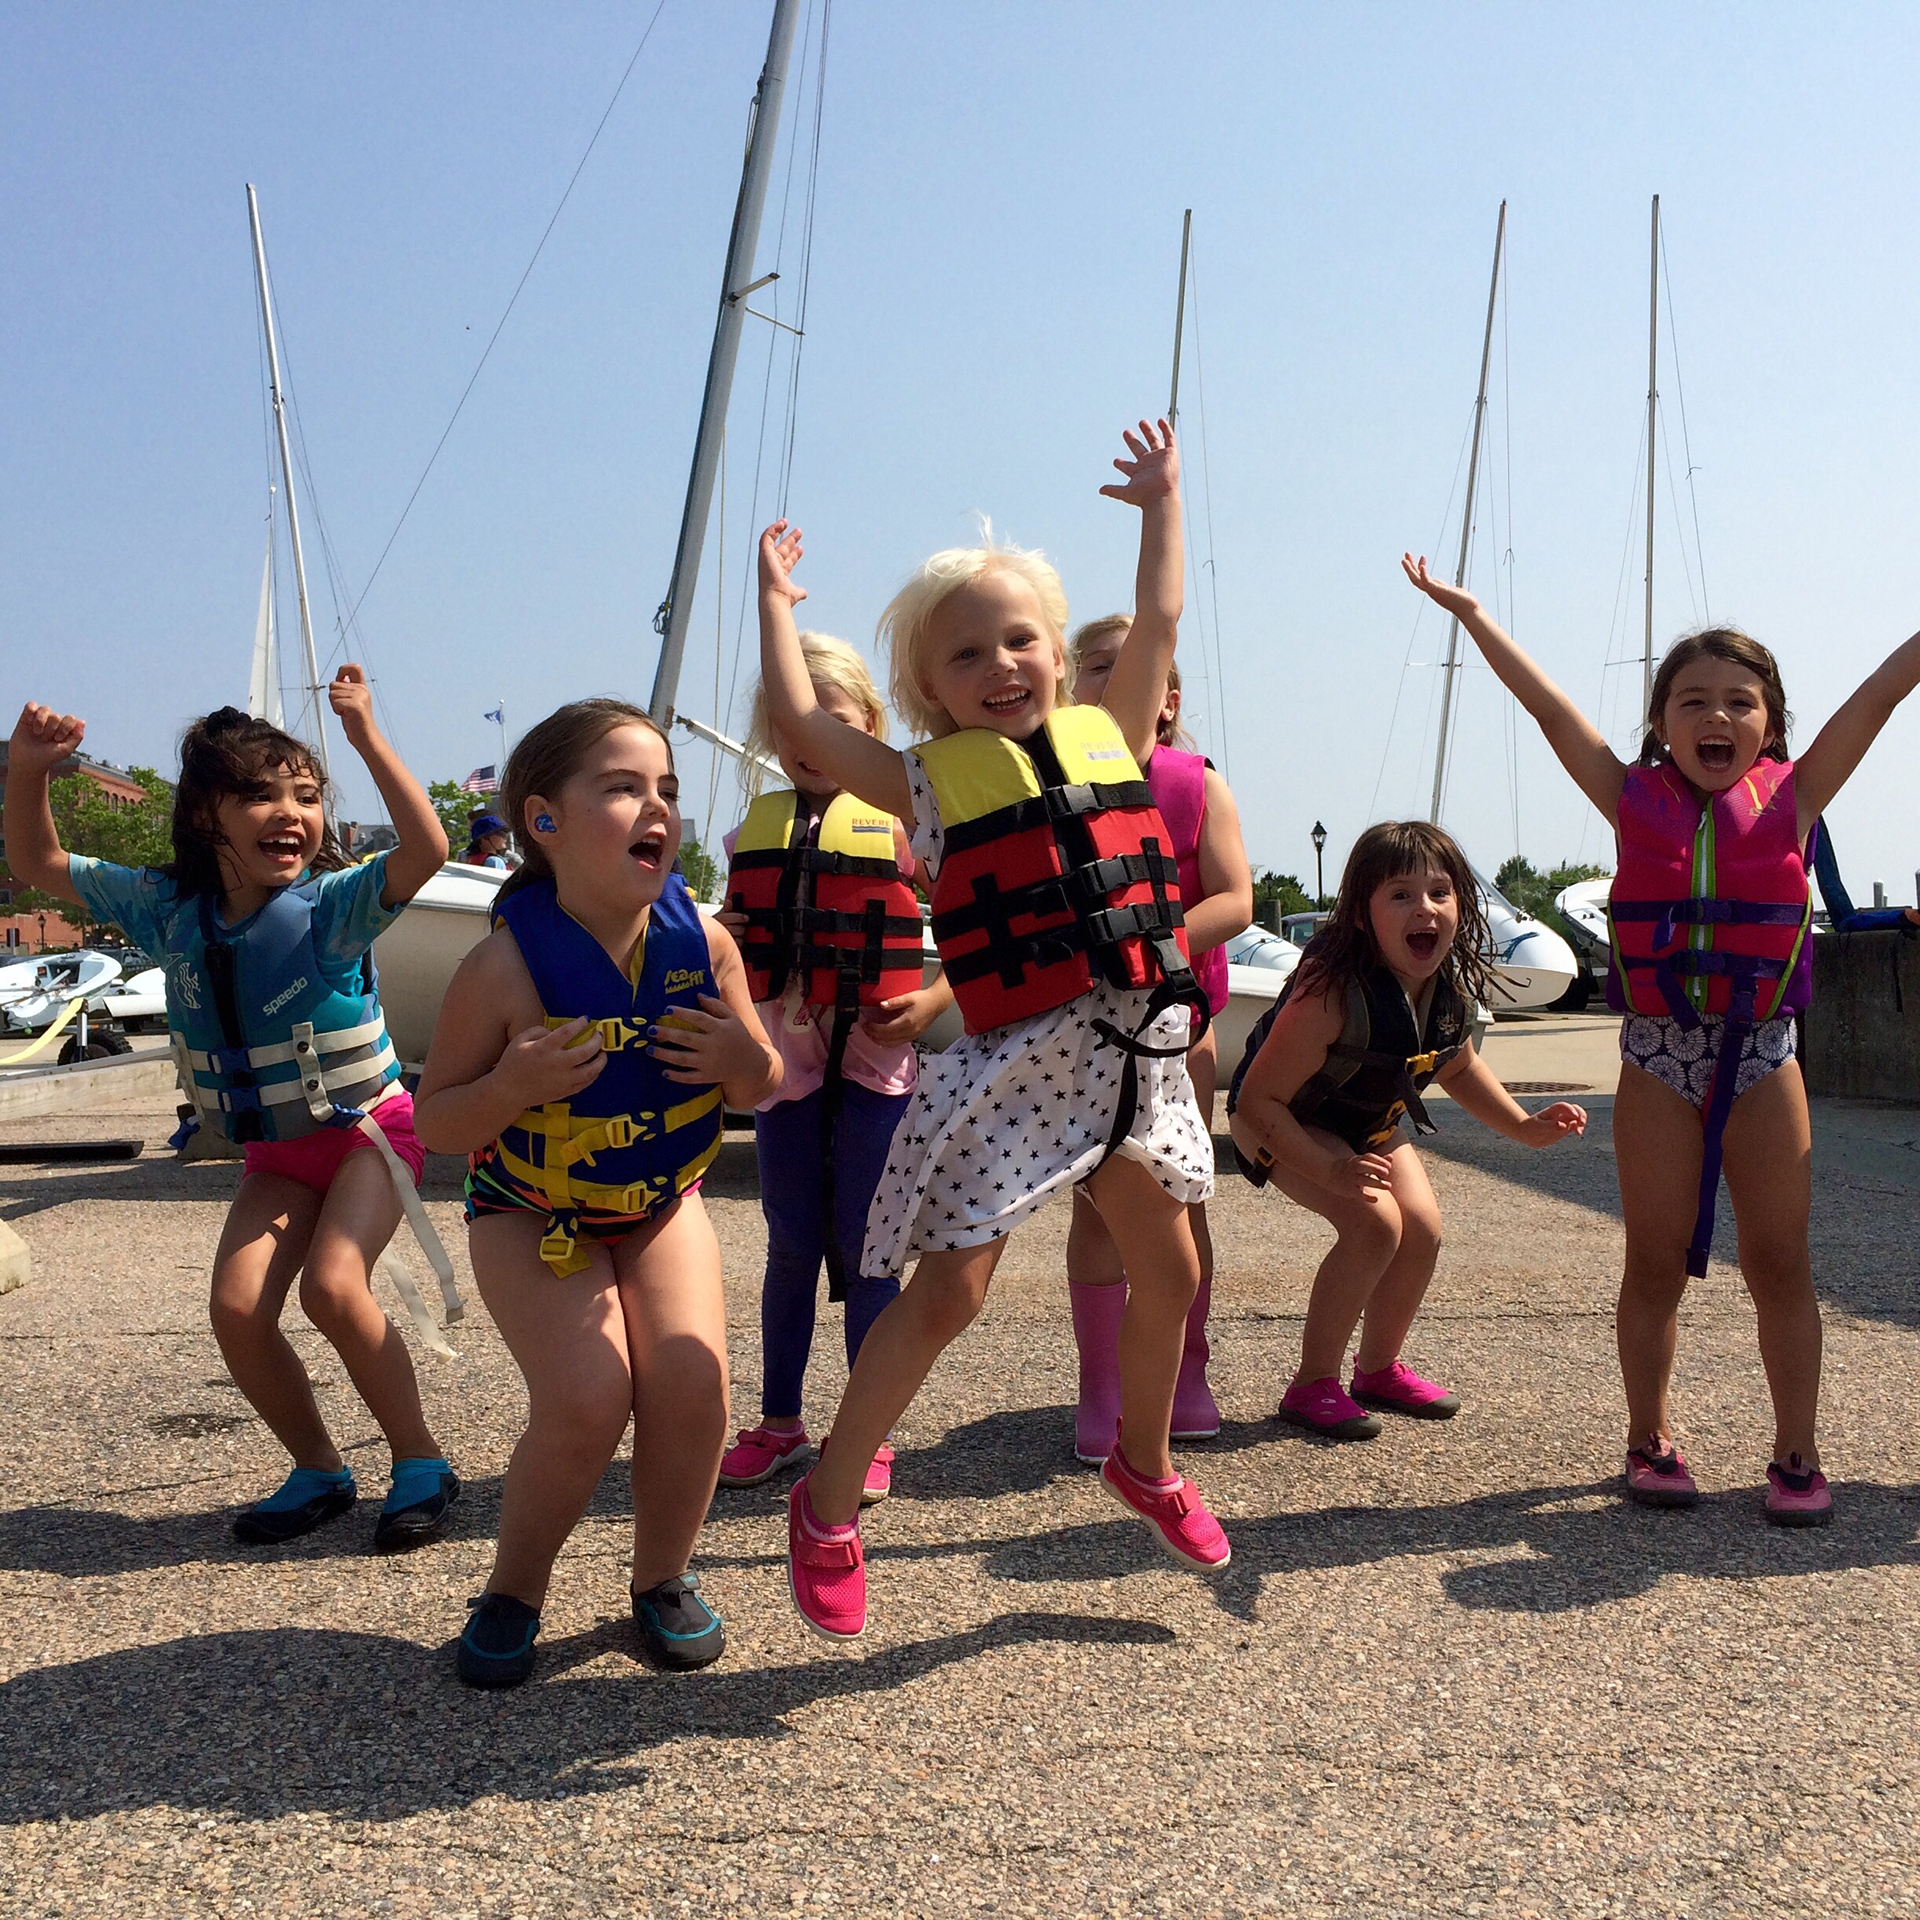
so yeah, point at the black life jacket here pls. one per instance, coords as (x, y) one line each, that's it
(1375, 1071)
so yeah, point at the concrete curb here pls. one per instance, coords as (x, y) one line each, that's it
(16, 1263)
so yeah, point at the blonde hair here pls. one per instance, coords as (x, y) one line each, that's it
(909, 615)
(830, 663)
(1169, 733)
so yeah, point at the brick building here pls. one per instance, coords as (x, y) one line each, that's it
(49, 932)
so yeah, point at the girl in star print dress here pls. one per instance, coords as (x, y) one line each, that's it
(1019, 1111)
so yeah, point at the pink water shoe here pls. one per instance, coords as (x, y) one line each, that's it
(1657, 1476)
(1398, 1389)
(1324, 1407)
(879, 1481)
(758, 1453)
(1173, 1509)
(826, 1570)
(1797, 1494)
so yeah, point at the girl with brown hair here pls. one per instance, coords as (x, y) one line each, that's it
(1711, 918)
(1380, 1007)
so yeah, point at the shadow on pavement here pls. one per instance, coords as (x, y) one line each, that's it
(258, 1725)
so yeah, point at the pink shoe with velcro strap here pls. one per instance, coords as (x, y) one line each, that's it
(1173, 1509)
(826, 1570)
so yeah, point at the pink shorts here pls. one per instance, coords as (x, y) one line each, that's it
(315, 1158)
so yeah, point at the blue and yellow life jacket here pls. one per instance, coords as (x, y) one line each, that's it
(631, 1141)
(274, 1043)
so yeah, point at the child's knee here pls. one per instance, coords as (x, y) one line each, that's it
(950, 1298)
(584, 1425)
(239, 1317)
(332, 1291)
(1373, 1228)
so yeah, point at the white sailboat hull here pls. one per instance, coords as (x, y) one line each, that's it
(417, 955)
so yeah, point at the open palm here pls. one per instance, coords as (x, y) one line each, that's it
(1154, 470)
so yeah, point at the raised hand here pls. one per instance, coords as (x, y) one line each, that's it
(351, 699)
(549, 1063)
(43, 738)
(1456, 600)
(1554, 1123)
(1154, 471)
(780, 552)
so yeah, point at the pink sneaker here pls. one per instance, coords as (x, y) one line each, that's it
(1797, 1494)
(1399, 1389)
(826, 1570)
(1323, 1407)
(1657, 1477)
(758, 1453)
(879, 1480)
(1173, 1509)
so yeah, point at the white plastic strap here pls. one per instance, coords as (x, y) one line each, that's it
(429, 1245)
(338, 1040)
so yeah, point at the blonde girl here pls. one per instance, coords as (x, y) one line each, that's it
(580, 1060)
(823, 1135)
(1089, 1083)
(1216, 891)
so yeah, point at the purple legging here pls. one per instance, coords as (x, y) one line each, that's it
(787, 1140)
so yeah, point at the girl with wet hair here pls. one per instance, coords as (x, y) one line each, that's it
(1380, 1007)
(265, 931)
(1711, 920)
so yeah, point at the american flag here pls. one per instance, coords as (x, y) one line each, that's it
(480, 780)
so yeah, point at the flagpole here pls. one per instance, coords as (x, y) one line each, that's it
(500, 716)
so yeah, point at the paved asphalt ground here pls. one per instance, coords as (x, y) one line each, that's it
(1447, 1672)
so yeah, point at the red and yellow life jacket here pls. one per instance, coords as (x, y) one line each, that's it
(1056, 870)
(825, 901)
(1709, 908)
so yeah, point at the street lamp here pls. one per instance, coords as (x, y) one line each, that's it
(1319, 874)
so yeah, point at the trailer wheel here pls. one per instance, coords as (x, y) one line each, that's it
(103, 1043)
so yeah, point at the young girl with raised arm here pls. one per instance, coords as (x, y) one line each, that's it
(1711, 961)
(1380, 1006)
(581, 1058)
(264, 928)
(1216, 894)
(820, 897)
(1056, 911)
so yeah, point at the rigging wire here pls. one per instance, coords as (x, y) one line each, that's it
(1419, 613)
(1609, 662)
(806, 257)
(500, 325)
(1679, 530)
(1206, 491)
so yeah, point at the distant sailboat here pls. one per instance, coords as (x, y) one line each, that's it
(263, 692)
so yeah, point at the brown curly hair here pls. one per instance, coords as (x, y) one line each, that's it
(1345, 949)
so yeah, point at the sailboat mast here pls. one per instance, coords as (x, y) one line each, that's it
(1653, 411)
(286, 477)
(1466, 521)
(676, 610)
(1180, 317)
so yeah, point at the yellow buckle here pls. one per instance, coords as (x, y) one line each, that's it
(1423, 1062)
(616, 1034)
(621, 1132)
(556, 1244)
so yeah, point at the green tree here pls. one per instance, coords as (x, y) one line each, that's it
(136, 833)
(455, 808)
(701, 870)
(1277, 894)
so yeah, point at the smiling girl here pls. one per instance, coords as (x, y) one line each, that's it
(1380, 1007)
(581, 1058)
(1056, 912)
(264, 928)
(1710, 915)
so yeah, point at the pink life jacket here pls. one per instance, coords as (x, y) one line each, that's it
(1710, 909)
(1179, 784)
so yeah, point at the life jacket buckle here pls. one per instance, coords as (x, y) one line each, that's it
(620, 1130)
(1423, 1062)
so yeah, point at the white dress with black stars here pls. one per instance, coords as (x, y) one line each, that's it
(1001, 1120)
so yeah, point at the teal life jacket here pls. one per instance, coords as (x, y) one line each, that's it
(631, 1141)
(273, 1042)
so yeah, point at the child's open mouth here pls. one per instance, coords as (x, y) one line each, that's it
(283, 846)
(1716, 755)
(651, 850)
(1424, 944)
(1001, 704)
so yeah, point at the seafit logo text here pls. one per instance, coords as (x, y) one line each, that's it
(681, 978)
(279, 1000)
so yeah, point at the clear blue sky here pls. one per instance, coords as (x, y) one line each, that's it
(1000, 190)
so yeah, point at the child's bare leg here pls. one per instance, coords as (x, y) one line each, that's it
(932, 1310)
(1397, 1296)
(569, 1339)
(261, 1247)
(1769, 1164)
(1164, 1275)
(1092, 1258)
(1657, 1146)
(676, 1319)
(1369, 1231)
(357, 1219)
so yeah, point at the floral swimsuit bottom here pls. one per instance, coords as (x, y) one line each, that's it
(1683, 1058)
